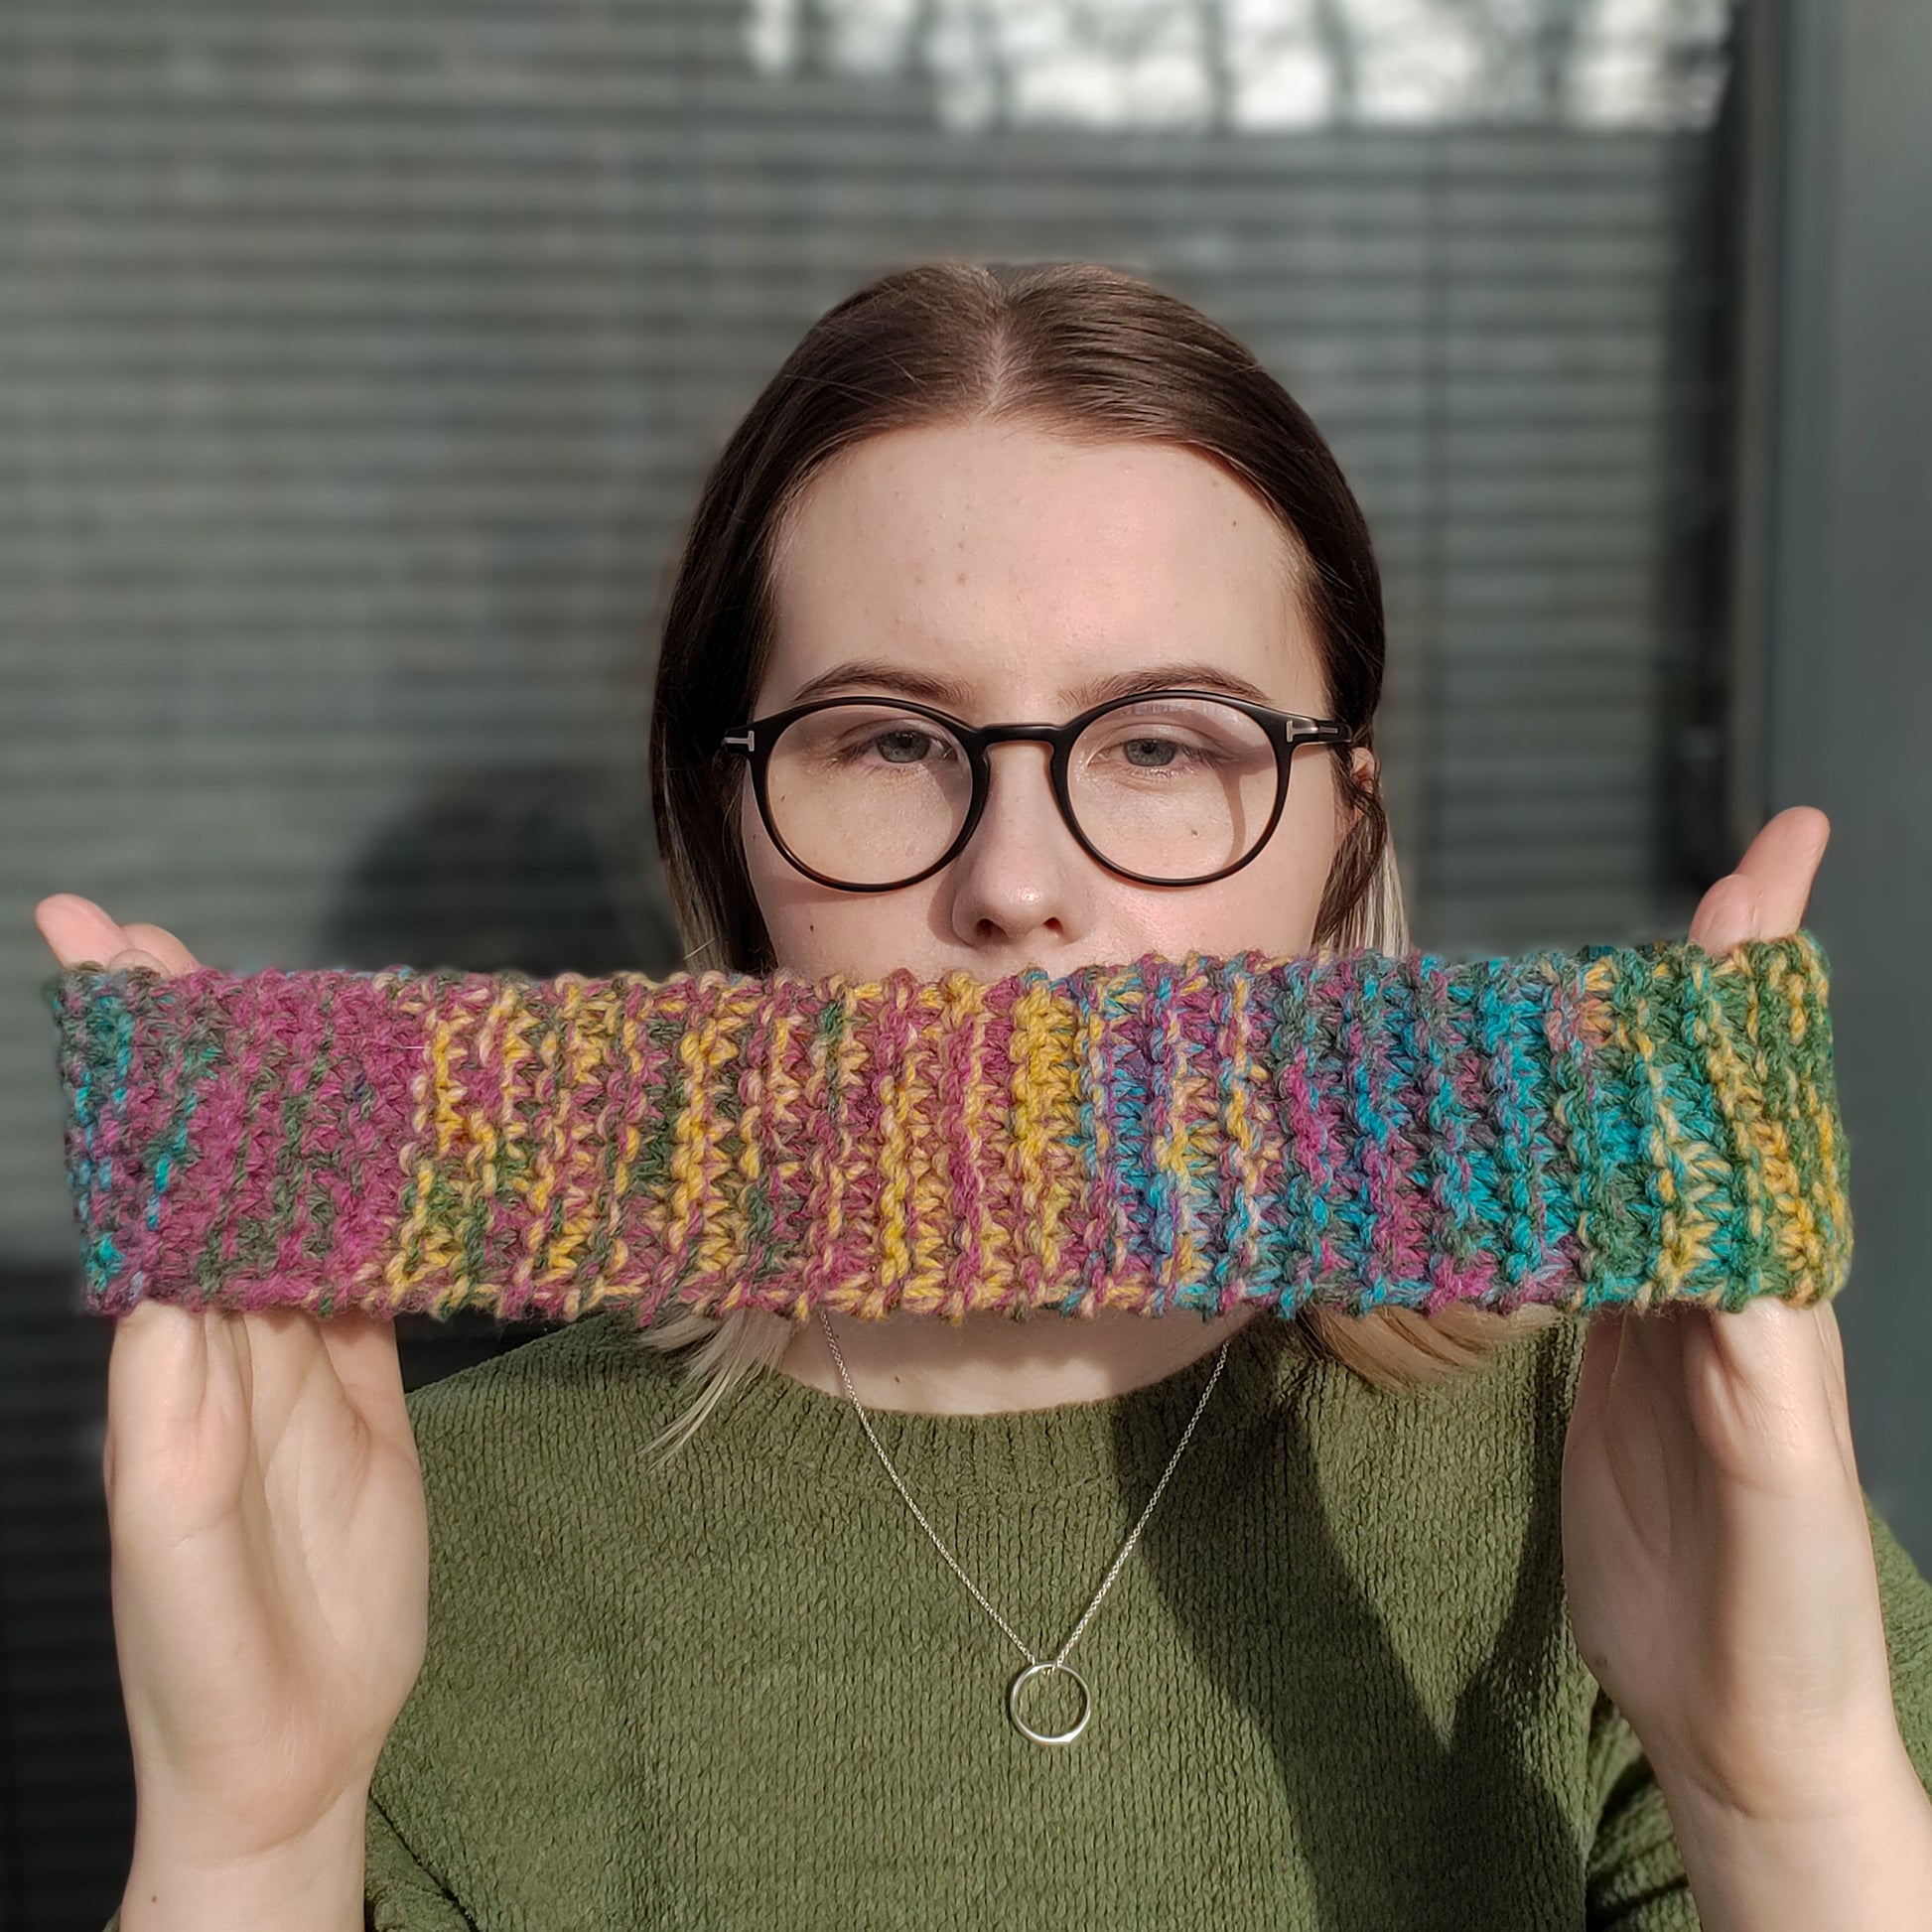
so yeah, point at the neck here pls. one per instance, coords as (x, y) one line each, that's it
(996, 1364)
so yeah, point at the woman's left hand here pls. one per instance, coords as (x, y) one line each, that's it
(1717, 1563)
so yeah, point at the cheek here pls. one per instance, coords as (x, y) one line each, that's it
(770, 877)
(775, 881)
(1269, 905)
(1272, 902)
(815, 930)
(1278, 897)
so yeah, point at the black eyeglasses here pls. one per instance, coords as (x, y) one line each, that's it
(1165, 787)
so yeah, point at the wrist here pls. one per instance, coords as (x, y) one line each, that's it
(1791, 1781)
(1855, 1856)
(184, 1876)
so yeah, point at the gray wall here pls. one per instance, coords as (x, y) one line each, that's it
(1847, 556)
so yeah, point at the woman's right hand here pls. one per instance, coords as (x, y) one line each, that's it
(269, 1536)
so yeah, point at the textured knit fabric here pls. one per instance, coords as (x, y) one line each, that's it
(1618, 1125)
(1333, 1684)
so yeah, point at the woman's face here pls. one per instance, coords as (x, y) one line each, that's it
(999, 573)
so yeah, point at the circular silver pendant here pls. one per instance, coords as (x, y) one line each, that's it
(1048, 1736)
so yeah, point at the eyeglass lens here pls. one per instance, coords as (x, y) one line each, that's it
(1170, 788)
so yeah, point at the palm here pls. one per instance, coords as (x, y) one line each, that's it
(268, 1523)
(262, 1481)
(1714, 1546)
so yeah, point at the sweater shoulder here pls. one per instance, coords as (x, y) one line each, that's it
(576, 1359)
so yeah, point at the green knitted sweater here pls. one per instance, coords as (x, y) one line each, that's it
(1334, 1685)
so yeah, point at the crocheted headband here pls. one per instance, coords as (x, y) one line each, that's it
(1619, 1124)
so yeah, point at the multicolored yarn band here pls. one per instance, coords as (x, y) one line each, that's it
(1620, 1125)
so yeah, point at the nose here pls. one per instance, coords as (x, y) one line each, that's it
(1022, 872)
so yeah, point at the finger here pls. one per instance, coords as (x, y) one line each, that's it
(1757, 1383)
(274, 1356)
(157, 1375)
(77, 932)
(81, 934)
(1781, 863)
(286, 1357)
(1728, 914)
(1652, 1362)
(1837, 1396)
(1765, 897)
(1603, 1338)
(370, 1366)
(162, 946)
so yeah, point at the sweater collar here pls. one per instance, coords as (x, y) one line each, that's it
(775, 1419)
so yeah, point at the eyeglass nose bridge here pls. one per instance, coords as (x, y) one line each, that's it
(1012, 733)
(980, 739)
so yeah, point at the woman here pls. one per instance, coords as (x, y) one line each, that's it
(1454, 1622)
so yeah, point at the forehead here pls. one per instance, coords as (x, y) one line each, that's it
(1021, 560)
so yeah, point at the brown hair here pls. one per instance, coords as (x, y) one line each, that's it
(1089, 352)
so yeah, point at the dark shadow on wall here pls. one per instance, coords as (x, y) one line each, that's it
(539, 871)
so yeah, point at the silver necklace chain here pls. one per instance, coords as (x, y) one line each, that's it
(1034, 1667)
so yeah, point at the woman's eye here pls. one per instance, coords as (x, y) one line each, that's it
(1149, 754)
(902, 745)
(907, 747)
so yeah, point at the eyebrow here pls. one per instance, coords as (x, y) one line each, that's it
(881, 674)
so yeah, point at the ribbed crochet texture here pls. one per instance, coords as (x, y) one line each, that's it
(1638, 1125)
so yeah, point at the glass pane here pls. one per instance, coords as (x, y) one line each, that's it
(867, 793)
(1173, 787)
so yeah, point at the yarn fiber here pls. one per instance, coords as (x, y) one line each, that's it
(1616, 1125)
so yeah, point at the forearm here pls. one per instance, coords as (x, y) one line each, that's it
(314, 1883)
(1866, 1865)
